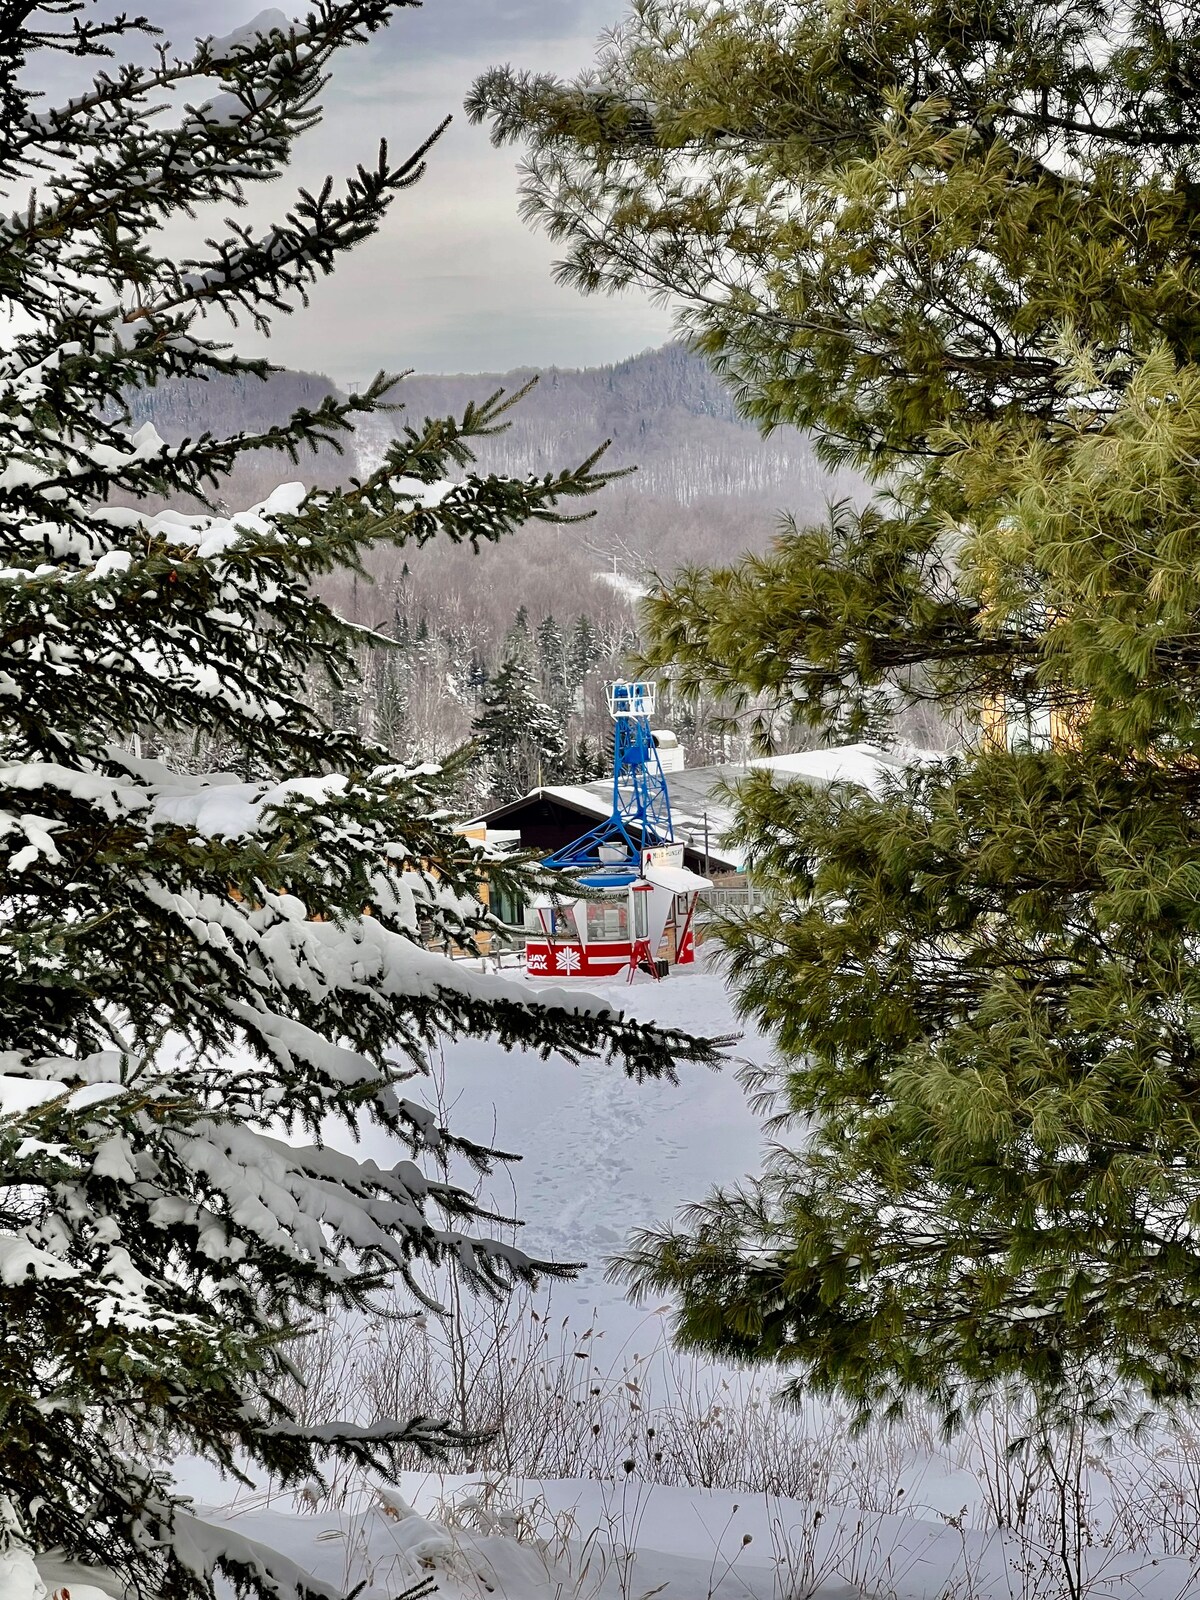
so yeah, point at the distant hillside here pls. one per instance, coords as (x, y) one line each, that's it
(182, 408)
(187, 406)
(665, 412)
(707, 485)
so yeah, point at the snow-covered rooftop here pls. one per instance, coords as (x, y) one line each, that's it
(595, 797)
(699, 808)
(862, 764)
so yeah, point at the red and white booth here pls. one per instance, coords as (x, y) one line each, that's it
(631, 926)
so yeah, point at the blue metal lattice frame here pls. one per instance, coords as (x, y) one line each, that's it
(641, 806)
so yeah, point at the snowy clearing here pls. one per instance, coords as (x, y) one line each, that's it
(895, 1514)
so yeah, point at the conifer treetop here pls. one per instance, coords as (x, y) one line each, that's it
(959, 242)
(875, 220)
(212, 980)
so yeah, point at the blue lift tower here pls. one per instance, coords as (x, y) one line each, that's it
(609, 857)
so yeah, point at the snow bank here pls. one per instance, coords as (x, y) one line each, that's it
(611, 1541)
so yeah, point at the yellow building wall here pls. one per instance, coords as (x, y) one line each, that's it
(478, 835)
(993, 721)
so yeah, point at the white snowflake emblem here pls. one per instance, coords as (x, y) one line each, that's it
(536, 962)
(567, 960)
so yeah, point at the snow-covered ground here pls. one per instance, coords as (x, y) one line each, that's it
(891, 1516)
(631, 589)
(601, 1154)
(630, 1541)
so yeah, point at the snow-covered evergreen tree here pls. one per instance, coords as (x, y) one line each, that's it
(518, 735)
(587, 762)
(583, 650)
(194, 992)
(390, 702)
(477, 676)
(518, 641)
(552, 662)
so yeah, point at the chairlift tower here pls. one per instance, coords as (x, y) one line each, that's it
(642, 922)
(610, 854)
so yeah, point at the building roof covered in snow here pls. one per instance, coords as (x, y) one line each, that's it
(550, 817)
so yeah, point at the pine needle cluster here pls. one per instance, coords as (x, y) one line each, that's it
(960, 243)
(210, 982)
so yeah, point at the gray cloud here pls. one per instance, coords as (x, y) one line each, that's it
(445, 26)
(455, 281)
(435, 27)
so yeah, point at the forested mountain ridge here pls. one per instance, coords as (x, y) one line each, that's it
(665, 412)
(185, 408)
(706, 487)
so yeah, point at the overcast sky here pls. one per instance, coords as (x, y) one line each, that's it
(455, 282)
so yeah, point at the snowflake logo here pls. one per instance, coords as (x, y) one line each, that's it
(567, 961)
(536, 962)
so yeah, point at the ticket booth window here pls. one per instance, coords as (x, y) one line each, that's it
(607, 921)
(641, 915)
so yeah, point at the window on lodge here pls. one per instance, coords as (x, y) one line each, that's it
(1027, 706)
(509, 907)
(1029, 723)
